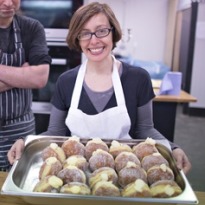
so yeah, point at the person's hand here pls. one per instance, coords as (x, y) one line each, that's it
(182, 160)
(26, 64)
(16, 151)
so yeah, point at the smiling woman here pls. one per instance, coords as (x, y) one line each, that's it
(103, 97)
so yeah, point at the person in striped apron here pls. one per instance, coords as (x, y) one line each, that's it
(24, 64)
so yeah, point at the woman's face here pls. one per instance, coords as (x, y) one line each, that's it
(97, 49)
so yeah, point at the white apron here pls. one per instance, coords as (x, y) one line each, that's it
(113, 123)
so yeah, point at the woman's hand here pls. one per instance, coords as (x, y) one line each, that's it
(182, 160)
(16, 151)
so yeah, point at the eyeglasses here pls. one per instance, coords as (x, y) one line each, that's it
(100, 33)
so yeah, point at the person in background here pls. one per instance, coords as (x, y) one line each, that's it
(24, 65)
(103, 97)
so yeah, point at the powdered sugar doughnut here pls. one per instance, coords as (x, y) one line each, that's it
(165, 189)
(101, 158)
(105, 188)
(130, 173)
(53, 150)
(103, 174)
(73, 146)
(51, 166)
(72, 174)
(117, 147)
(123, 158)
(93, 145)
(152, 160)
(145, 148)
(76, 160)
(138, 188)
(159, 172)
(75, 188)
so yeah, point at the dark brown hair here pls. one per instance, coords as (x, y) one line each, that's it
(82, 16)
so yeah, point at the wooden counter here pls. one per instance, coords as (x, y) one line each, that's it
(12, 200)
(183, 97)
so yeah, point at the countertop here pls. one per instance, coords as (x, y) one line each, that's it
(13, 200)
(183, 97)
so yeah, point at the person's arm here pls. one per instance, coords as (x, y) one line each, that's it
(145, 125)
(146, 129)
(24, 77)
(56, 127)
(4, 87)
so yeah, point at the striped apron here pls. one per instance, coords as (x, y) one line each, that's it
(16, 117)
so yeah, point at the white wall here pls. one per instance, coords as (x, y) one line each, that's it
(198, 69)
(147, 20)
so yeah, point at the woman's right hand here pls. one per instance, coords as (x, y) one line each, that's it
(16, 151)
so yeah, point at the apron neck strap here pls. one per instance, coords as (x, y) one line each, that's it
(17, 34)
(115, 79)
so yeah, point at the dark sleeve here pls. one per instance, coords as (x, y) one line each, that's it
(57, 126)
(145, 127)
(61, 98)
(34, 41)
(137, 85)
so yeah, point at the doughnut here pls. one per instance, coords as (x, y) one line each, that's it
(159, 172)
(165, 189)
(76, 160)
(73, 146)
(105, 188)
(138, 188)
(124, 157)
(101, 158)
(117, 147)
(75, 188)
(145, 148)
(53, 150)
(103, 174)
(51, 166)
(93, 145)
(152, 160)
(72, 174)
(130, 173)
(49, 184)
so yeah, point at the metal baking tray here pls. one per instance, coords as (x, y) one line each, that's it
(23, 176)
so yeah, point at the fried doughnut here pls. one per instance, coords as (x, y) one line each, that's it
(93, 145)
(159, 172)
(76, 160)
(105, 188)
(103, 174)
(117, 147)
(53, 150)
(124, 157)
(72, 174)
(75, 188)
(130, 173)
(138, 188)
(73, 146)
(145, 148)
(165, 189)
(152, 160)
(48, 184)
(101, 158)
(51, 166)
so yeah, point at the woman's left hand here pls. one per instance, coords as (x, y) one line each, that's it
(182, 160)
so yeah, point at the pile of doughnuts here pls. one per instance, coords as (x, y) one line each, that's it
(96, 168)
